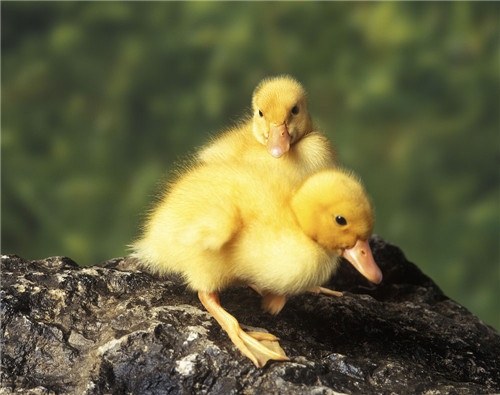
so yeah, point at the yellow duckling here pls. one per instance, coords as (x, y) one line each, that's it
(220, 225)
(280, 127)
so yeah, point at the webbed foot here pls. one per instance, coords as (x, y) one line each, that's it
(260, 347)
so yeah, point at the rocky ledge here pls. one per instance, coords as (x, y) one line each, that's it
(112, 328)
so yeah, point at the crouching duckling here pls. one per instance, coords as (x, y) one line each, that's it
(220, 225)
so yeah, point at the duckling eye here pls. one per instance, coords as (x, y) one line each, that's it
(340, 220)
(295, 110)
(260, 113)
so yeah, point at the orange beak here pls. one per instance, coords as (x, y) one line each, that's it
(360, 256)
(278, 142)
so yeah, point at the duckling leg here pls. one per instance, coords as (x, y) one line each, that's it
(320, 290)
(272, 303)
(251, 344)
(255, 288)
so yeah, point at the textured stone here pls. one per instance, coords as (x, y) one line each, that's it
(111, 328)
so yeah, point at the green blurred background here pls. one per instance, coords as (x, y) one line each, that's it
(99, 99)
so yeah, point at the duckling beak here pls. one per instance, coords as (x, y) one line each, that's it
(278, 142)
(360, 256)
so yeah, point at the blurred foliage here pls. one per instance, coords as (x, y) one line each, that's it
(101, 98)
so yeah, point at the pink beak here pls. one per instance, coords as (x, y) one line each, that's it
(278, 142)
(360, 256)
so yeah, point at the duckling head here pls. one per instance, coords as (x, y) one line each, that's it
(280, 115)
(333, 209)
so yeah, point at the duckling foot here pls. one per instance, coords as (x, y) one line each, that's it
(320, 290)
(258, 346)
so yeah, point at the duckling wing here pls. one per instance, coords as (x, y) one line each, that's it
(212, 228)
(201, 210)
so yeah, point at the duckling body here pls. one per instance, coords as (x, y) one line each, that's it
(218, 220)
(310, 154)
(223, 224)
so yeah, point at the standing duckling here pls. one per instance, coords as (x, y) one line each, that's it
(221, 224)
(279, 135)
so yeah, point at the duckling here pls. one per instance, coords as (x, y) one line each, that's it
(280, 127)
(220, 225)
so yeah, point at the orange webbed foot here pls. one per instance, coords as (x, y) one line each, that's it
(260, 347)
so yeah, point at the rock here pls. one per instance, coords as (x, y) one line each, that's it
(111, 328)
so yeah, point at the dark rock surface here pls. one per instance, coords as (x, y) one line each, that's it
(111, 328)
